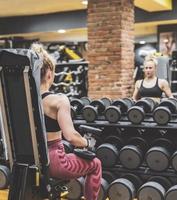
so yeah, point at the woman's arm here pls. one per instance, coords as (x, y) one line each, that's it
(166, 88)
(66, 124)
(136, 91)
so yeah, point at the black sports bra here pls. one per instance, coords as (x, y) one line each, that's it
(51, 124)
(154, 91)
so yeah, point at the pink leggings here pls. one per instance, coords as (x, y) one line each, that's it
(69, 166)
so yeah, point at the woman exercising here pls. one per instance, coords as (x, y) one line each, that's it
(58, 122)
(151, 85)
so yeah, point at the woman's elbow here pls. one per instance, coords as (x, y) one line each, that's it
(70, 136)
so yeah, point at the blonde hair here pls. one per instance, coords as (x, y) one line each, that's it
(48, 62)
(150, 58)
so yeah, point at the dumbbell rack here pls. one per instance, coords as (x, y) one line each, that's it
(71, 79)
(147, 125)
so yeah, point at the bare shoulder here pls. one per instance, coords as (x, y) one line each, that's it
(55, 100)
(61, 98)
(138, 83)
(163, 82)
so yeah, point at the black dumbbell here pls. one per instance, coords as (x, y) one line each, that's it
(95, 131)
(91, 112)
(164, 181)
(103, 189)
(171, 193)
(108, 152)
(108, 175)
(163, 113)
(76, 107)
(68, 146)
(107, 101)
(158, 156)
(113, 113)
(135, 179)
(132, 155)
(90, 132)
(173, 161)
(99, 140)
(75, 188)
(4, 177)
(85, 100)
(151, 190)
(124, 188)
(136, 113)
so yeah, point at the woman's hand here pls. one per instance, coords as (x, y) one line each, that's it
(90, 142)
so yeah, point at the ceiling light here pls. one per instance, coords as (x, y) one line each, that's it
(165, 41)
(61, 31)
(85, 2)
(142, 42)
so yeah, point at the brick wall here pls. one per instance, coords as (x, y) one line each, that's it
(110, 48)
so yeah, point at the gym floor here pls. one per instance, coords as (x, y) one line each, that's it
(4, 195)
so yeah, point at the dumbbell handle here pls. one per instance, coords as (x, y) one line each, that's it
(90, 143)
(90, 130)
(75, 107)
(141, 106)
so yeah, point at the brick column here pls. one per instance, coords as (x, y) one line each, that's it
(110, 48)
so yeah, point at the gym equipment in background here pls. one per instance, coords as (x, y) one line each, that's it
(158, 156)
(95, 108)
(71, 79)
(5, 175)
(108, 152)
(171, 193)
(114, 112)
(132, 155)
(151, 190)
(77, 105)
(124, 188)
(136, 113)
(75, 188)
(163, 113)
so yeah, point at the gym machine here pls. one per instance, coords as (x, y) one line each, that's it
(24, 126)
(22, 119)
(4, 162)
